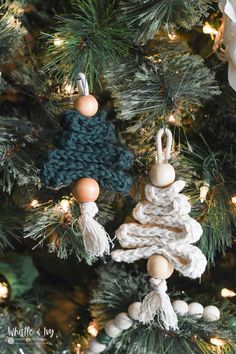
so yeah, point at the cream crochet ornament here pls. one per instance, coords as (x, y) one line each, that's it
(164, 234)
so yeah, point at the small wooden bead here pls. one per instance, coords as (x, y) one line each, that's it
(211, 313)
(123, 321)
(85, 190)
(134, 311)
(96, 347)
(180, 307)
(111, 329)
(159, 267)
(86, 105)
(195, 309)
(162, 175)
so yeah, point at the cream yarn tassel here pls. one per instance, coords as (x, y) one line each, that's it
(158, 303)
(96, 239)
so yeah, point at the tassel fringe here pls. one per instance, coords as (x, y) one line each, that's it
(96, 239)
(158, 302)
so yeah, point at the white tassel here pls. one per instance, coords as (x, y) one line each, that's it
(158, 302)
(96, 239)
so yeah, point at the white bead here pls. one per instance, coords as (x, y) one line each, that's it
(111, 329)
(211, 313)
(180, 307)
(96, 347)
(122, 321)
(159, 267)
(162, 174)
(195, 309)
(134, 310)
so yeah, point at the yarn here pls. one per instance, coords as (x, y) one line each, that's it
(86, 148)
(164, 228)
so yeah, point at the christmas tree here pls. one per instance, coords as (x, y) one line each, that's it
(117, 144)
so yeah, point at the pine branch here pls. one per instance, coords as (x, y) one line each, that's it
(148, 16)
(91, 40)
(161, 86)
(201, 166)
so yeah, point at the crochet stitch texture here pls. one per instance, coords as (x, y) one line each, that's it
(86, 148)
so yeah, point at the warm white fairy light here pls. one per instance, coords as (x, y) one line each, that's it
(69, 89)
(207, 29)
(203, 192)
(58, 42)
(34, 203)
(233, 199)
(92, 329)
(77, 348)
(227, 293)
(217, 341)
(172, 36)
(171, 118)
(3, 291)
(65, 205)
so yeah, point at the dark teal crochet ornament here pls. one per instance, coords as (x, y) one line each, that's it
(87, 156)
(87, 148)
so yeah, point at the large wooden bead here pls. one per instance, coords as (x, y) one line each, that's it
(211, 313)
(134, 310)
(85, 190)
(123, 321)
(162, 175)
(159, 267)
(86, 105)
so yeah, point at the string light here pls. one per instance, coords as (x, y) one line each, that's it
(34, 203)
(203, 192)
(58, 42)
(217, 341)
(69, 89)
(171, 118)
(4, 291)
(172, 36)
(77, 348)
(65, 205)
(227, 293)
(92, 329)
(207, 29)
(233, 199)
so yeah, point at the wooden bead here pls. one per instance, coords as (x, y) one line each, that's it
(85, 190)
(180, 307)
(122, 321)
(86, 105)
(159, 267)
(111, 329)
(96, 347)
(162, 175)
(211, 313)
(134, 310)
(195, 309)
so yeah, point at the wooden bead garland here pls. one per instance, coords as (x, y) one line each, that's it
(125, 321)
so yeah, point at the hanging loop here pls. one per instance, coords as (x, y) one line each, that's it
(160, 133)
(82, 85)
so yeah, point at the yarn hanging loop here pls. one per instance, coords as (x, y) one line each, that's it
(82, 83)
(160, 133)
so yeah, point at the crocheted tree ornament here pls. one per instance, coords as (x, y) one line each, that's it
(164, 233)
(87, 155)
